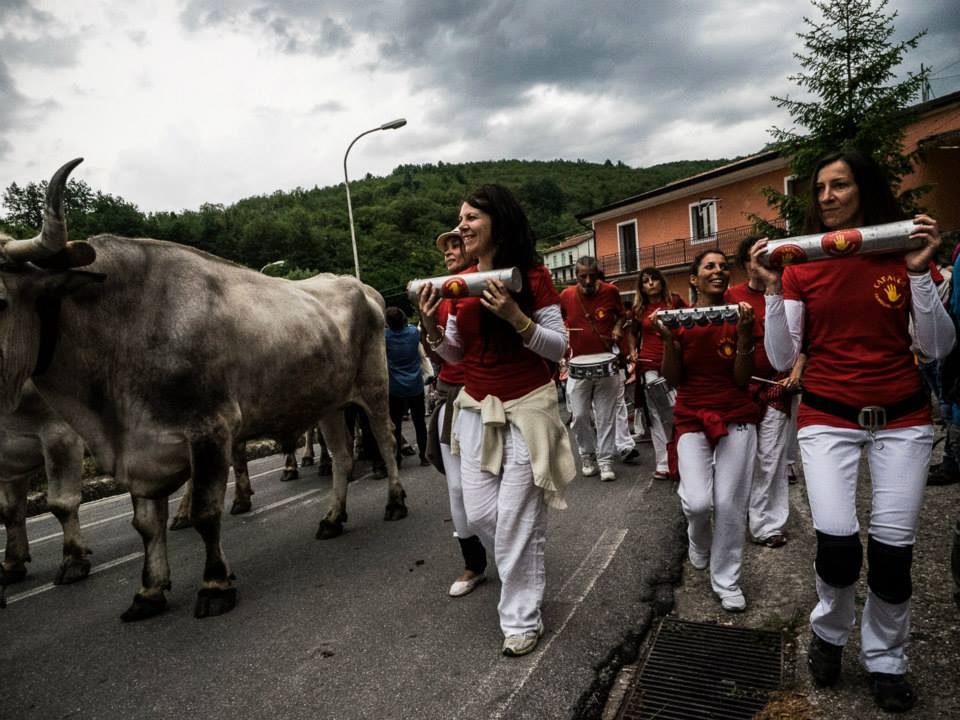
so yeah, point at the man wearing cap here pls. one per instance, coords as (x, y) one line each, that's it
(449, 384)
(594, 315)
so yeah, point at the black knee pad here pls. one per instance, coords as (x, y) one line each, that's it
(839, 558)
(889, 573)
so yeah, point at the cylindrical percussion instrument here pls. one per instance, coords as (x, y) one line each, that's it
(658, 395)
(468, 285)
(886, 238)
(596, 365)
(688, 317)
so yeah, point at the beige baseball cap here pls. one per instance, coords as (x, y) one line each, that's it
(443, 237)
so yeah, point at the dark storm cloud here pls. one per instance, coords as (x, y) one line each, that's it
(10, 102)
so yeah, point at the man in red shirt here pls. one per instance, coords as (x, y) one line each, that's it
(594, 314)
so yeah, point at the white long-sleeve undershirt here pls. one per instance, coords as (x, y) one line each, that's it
(549, 338)
(933, 329)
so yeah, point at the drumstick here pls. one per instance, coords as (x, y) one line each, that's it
(764, 380)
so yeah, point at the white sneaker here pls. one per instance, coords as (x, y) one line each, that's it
(699, 561)
(588, 467)
(734, 603)
(523, 643)
(465, 587)
(607, 474)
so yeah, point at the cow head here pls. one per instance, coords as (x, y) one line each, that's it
(34, 273)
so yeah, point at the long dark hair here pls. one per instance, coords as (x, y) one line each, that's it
(877, 202)
(516, 247)
(656, 275)
(695, 267)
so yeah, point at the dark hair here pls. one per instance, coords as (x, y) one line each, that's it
(742, 257)
(698, 261)
(516, 247)
(877, 202)
(396, 318)
(589, 262)
(657, 275)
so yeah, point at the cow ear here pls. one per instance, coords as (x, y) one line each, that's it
(62, 284)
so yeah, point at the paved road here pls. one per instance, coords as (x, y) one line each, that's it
(355, 627)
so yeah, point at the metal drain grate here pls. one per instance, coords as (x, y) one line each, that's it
(697, 670)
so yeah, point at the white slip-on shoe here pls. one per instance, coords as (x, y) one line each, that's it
(607, 474)
(522, 643)
(465, 587)
(734, 603)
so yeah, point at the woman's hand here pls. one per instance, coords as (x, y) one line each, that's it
(745, 322)
(429, 301)
(918, 261)
(497, 299)
(769, 277)
(664, 331)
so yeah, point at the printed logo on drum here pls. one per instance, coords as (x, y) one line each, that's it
(841, 242)
(453, 288)
(726, 348)
(889, 291)
(784, 255)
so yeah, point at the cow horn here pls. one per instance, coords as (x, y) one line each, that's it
(53, 236)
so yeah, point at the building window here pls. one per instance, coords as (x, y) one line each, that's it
(703, 220)
(790, 190)
(627, 233)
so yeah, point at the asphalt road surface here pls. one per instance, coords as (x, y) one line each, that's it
(355, 627)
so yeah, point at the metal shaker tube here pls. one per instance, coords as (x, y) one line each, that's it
(710, 315)
(469, 285)
(886, 238)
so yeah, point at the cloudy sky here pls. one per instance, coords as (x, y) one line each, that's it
(178, 102)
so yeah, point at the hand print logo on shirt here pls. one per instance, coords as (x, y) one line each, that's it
(726, 348)
(888, 290)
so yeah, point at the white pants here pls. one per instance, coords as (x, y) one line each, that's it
(661, 428)
(508, 513)
(770, 493)
(624, 438)
(898, 461)
(451, 469)
(715, 486)
(595, 398)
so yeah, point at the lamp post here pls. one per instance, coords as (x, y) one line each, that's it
(392, 125)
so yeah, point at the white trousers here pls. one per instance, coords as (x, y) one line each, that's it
(898, 461)
(624, 438)
(770, 493)
(596, 399)
(508, 513)
(714, 488)
(451, 469)
(661, 428)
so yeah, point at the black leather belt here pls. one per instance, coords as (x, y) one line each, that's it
(871, 417)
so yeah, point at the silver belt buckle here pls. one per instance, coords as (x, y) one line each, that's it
(872, 418)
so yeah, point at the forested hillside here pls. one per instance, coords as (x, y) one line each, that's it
(396, 216)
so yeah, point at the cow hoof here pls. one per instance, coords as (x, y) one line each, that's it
(144, 608)
(215, 601)
(72, 570)
(395, 511)
(306, 460)
(324, 469)
(12, 577)
(180, 523)
(329, 529)
(240, 507)
(289, 474)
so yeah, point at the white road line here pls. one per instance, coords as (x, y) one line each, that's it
(285, 501)
(98, 568)
(574, 591)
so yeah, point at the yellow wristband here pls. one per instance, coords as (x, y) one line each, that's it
(526, 326)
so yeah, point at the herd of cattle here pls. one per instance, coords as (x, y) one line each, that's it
(163, 360)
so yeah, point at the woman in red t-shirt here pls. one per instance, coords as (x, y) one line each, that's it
(861, 391)
(715, 424)
(515, 454)
(654, 295)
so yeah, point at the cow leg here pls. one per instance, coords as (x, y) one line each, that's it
(242, 489)
(181, 518)
(289, 449)
(335, 434)
(309, 458)
(150, 520)
(217, 595)
(64, 462)
(380, 426)
(325, 468)
(13, 512)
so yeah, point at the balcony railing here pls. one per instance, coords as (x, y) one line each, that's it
(676, 252)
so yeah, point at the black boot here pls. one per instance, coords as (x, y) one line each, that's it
(824, 660)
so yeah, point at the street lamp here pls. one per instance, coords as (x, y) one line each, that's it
(392, 125)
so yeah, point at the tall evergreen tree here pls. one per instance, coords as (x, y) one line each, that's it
(850, 101)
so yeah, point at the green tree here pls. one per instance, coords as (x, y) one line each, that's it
(850, 100)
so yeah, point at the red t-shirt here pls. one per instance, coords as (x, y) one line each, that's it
(604, 308)
(651, 344)
(857, 342)
(451, 373)
(755, 298)
(707, 387)
(499, 364)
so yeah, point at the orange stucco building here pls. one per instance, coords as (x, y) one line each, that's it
(668, 226)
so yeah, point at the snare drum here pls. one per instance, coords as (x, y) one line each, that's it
(592, 366)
